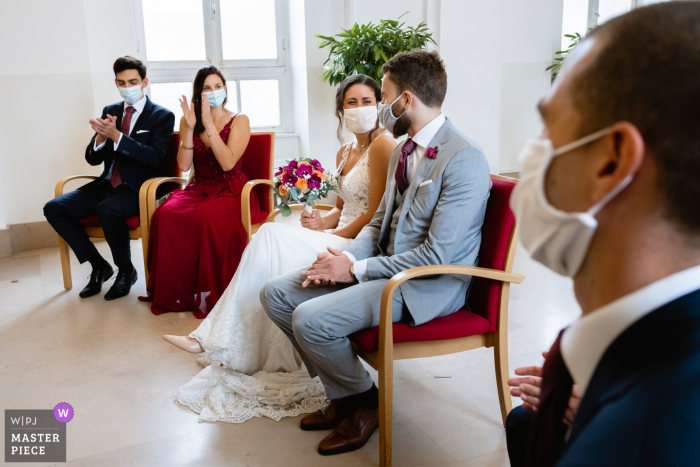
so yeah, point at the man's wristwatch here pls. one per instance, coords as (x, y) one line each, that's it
(352, 269)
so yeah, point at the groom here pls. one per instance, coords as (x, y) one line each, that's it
(431, 213)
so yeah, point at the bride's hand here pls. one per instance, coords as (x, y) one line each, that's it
(188, 112)
(313, 221)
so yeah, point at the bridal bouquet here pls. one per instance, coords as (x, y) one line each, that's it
(302, 181)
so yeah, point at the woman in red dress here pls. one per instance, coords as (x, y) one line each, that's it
(197, 237)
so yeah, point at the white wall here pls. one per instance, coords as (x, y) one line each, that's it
(322, 17)
(45, 68)
(531, 35)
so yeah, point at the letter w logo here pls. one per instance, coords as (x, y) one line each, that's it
(62, 412)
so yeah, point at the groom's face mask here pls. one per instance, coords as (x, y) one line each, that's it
(394, 109)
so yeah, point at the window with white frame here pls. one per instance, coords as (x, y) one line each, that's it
(246, 39)
(581, 15)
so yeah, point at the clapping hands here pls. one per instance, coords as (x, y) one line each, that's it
(329, 269)
(528, 388)
(206, 112)
(105, 128)
(188, 112)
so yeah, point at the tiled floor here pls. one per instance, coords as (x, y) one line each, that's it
(109, 361)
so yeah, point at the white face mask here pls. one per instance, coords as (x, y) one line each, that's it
(360, 119)
(131, 95)
(386, 115)
(553, 237)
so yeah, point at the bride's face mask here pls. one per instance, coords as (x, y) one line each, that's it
(360, 109)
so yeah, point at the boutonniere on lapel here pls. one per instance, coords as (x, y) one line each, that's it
(431, 153)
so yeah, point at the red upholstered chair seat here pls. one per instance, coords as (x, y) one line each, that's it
(131, 222)
(460, 324)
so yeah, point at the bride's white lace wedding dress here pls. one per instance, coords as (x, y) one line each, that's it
(251, 368)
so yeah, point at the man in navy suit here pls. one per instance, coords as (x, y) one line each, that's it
(623, 187)
(131, 139)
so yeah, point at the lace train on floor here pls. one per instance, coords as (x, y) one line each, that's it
(219, 394)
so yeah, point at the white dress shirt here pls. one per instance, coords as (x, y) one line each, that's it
(422, 139)
(586, 340)
(138, 108)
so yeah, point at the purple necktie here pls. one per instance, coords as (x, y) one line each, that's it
(401, 174)
(548, 429)
(116, 178)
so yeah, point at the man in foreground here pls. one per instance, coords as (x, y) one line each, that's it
(615, 206)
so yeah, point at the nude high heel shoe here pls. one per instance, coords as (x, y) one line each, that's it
(185, 343)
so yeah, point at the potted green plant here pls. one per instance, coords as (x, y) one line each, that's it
(562, 54)
(363, 49)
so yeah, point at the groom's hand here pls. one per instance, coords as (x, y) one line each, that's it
(329, 269)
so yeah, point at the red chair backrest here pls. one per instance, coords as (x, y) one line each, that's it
(495, 236)
(169, 166)
(257, 164)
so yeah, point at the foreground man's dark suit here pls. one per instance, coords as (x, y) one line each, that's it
(641, 407)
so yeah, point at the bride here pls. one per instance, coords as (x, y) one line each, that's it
(251, 369)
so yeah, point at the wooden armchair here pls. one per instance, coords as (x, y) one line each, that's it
(138, 225)
(483, 324)
(258, 165)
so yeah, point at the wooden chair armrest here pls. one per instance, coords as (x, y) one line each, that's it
(386, 334)
(298, 207)
(64, 180)
(245, 202)
(150, 197)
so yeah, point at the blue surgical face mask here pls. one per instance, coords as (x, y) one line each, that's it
(131, 95)
(216, 98)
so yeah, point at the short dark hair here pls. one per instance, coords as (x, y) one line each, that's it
(421, 72)
(646, 73)
(127, 62)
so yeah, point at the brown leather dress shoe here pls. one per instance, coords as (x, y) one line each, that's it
(352, 433)
(330, 416)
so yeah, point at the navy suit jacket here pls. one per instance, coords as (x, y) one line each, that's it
(642, 406)
(143, 153)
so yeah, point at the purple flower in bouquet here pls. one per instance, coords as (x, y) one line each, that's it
(291, 167)
(289, 179)
(281, 171)
(316, 165)
(304, 169)
(314, 182)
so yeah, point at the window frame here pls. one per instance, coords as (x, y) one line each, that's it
(233, 70)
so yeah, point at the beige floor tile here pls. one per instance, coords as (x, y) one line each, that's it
(493, 459)
(210, 445)
(116, 412)
(14, 268)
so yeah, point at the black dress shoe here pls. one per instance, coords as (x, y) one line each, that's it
(97, 278)
(122, 285)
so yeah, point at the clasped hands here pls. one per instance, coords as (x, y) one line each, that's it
(313, 221)
(529, 386)
(329, 269)
(105, 128)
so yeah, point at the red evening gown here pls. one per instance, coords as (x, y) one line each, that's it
(197, 237)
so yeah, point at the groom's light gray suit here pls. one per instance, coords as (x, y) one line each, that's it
(438, 223)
